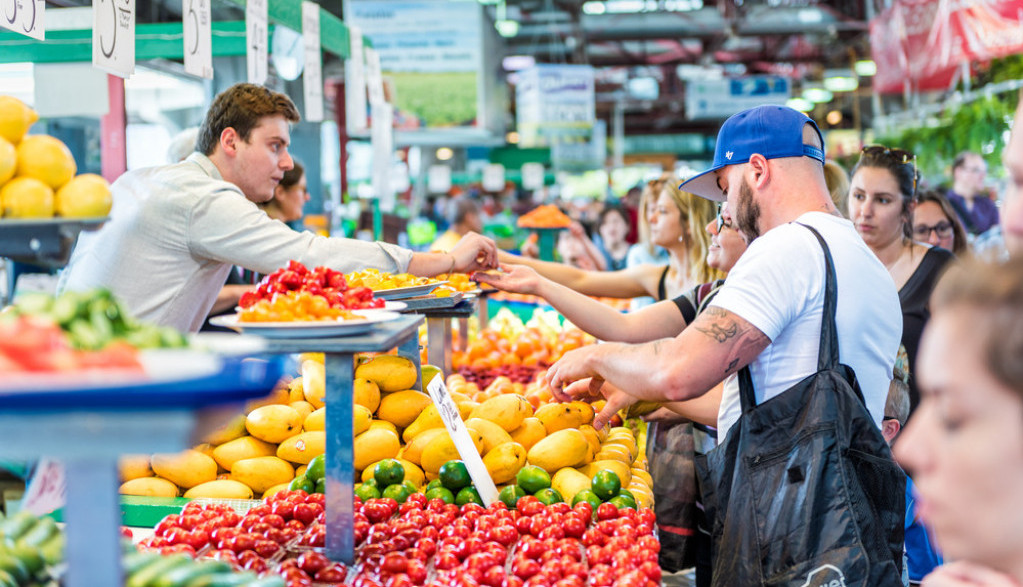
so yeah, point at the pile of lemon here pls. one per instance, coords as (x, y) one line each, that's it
(37, 172)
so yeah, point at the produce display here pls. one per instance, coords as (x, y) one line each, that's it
(381, 280)
(546, 216)
(37, 172)
(294, 305)
(321, 283)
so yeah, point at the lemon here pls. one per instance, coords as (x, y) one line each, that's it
(85, 196)
(26, 197)
(46, 159)
(15, 118)
(8, 160)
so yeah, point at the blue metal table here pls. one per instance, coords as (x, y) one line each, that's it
(339, 355)
(89, 427)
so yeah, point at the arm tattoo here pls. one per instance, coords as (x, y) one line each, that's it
(720, 332)
(719, 325)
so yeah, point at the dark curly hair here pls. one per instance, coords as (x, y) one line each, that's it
(241, 107)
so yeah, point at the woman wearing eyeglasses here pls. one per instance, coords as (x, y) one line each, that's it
(881, 206)
(935, 223)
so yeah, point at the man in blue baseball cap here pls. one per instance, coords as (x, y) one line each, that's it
(768, 165)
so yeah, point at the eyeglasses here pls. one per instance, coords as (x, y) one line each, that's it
(897, 156)
(720, 222)
(942, 229)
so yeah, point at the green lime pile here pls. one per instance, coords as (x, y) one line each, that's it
(530, 480)
(388, 480)
(453, 485)
(606, 487)
(312, 480)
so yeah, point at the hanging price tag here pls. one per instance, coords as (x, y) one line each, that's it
(374, 78)
(256, 40)
(312, 78)
(355, 84)
(493, 177)
(113, 36)
(197, 23)
(532, 176)
(438, 179)
(463, 442)
(23, 16)
(382, 141)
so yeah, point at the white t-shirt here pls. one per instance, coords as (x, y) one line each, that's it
(778, 286)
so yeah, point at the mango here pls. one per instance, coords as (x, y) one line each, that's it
(530, 432)
(412, 472)
(383, 425)
(429, 372)
(618, 443)
(134, 467)
(279, 395)
(559, 416)
(466, 408)
(296, 390)
(429, 418)
(303, 407)
(316, 420)
(262, 473)
(361, 418)
(205, 448)
(401, 408)
(149, 487)
(644, 496)
(621, 469)
(390, 372)
(564, 448)
(643, 476)
(185, 469)
(614, 452)
(507, 411)
(273, 423)
(442, 449)
(245, 447)
(568, 482)
(413, 451)
(504, 461)
(276, 489)
(235, 428)
(220, 489)
(375, 445)
(314, 383)
(591, 436)
(301, 448)
(493, 435)
(366, 393)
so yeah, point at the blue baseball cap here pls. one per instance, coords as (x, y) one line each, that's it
(772, 131)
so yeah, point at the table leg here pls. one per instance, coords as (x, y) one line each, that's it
(410, 350)
(463, 333)
(438, 340)
(481, 312)
(340, 458)
(93, 517)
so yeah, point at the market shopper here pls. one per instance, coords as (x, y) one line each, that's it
(176, 230)
(290, 196)
(969, 196)
(645, 251)
(935, 222)
(964, 446)
(613, 228)
(881, 204)
(465, 218)
(768, 315)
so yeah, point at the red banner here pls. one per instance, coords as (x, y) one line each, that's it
(922, 42)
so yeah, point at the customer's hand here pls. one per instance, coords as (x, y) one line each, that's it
(967, 574)
(474, 252)
(515, 278)
(594, 388)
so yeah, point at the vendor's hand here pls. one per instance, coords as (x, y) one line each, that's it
(474, 252)
(515, 278)
(594, 388)
(576, 229)
(966, 574)
(571, 367)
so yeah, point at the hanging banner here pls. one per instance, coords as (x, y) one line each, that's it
(374, 77)
(921, 43)
(113, 36)
(256, 40)
(554, 102)
(382, 140)
(355, 84)
(197, 26)
(312, 77)
(24, 17)
(721, 98)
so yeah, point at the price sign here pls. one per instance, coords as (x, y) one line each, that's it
(382, 141)
(355, 84)
(463, 442)
(46, 492)
(197, 23)
(374, 79)
(312, 80)
(532, 176)
(493, 177)
(438, 179)
(113, 36)
(23, 16)
(256, 40)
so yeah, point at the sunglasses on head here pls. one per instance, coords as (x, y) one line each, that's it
(897, 156)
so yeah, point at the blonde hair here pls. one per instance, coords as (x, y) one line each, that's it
(838, 184)
(647, 198)
(696, 214)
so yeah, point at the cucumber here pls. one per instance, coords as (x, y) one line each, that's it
(43, 530)
(29, 556)
(17, 525)
(148, 575)
(223, 580)
(53, 549)
(133, 562)
(14, 568)
(184, 575)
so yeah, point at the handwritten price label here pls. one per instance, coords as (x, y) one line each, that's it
(463, 442)
(197, 23)
(256, 39)
(24, 16)
(113, 36)
(312, 78)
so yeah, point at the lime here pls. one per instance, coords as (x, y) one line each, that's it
(606, 484)
(622, 502)
(411, 486)
(366, 491)
(434, 484)
(532, 479)
(454, 475)
(548, 496)
(628, 494)
(388, 472)
(321, 486)
(468, 495)
(588, 496)
(397, 492)
(302, 482)
(316, 468)
(373, 483)
(442, 493)
(510, 495)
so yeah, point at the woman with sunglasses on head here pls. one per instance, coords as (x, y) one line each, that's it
(882, 189)
(935, 223)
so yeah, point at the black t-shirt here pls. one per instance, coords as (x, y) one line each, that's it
(914, 298)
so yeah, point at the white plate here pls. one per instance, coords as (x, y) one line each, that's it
(298, 329)
(158, 366)
(407, 292)
(389, 306)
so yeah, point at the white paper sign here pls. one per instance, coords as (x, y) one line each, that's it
(438, 179)
(355, 84)
(493, 177)
(197, 24)
(312, 78)
(46, 491)
(113, 36)
(382, 141)
(532, 176)
(256, 40)
(463, 442)
(374, 79)
(24, 16)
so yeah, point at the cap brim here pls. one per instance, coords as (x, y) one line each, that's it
(704, 185)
